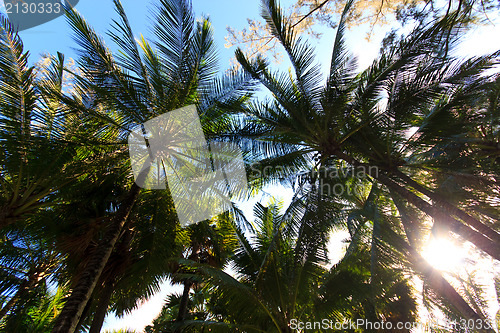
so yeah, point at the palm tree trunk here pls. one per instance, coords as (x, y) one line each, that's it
(481, 241)
(108, 286)
(473, 222)
(441, 287)
(439, 284)
(478, 239)
(68, 319)
(436, 281)
(84, 314)
(183, 305)
(102, 308)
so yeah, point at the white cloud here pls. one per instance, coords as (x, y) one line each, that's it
(146, 312)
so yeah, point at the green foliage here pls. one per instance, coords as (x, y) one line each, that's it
(37, 316)
(410, 121)
(72, 199)
(422, 126)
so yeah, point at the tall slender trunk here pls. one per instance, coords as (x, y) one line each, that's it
(183, 305)
(68, 319)
(481, 241)
(436, 280)
(109, 285)
(441, 287)
(102, 308)
(464, 216)
(84, 314)
(478, 239)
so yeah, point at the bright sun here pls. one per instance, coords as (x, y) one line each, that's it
(443, 254)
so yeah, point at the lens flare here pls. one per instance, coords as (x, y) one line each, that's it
(444, 254)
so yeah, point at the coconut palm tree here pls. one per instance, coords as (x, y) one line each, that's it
(366, 121)
(210, 243)
(276, 277)
(155, 251)
(199, 308)
(351, 118)
(37, 157)
(282, 275)
(140, 259)
(114, 94)
(143, 257)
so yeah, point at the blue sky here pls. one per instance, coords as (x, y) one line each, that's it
(56, 36)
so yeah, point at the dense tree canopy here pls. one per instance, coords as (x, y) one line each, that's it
(405, 150)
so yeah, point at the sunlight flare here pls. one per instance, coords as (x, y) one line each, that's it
(444, 254)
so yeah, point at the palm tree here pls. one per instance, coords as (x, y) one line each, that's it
(37, 316)
(365, 121)
(37, 157)
(28, 263)
(209, 243)
(276, 277)
(280, 267)
(115, 94)
(345, 119)
(282, 275)
(142, 256)
(199, 306)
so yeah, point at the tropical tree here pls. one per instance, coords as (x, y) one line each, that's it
(37, 158)
(210, 243)
(113, 95)
(47, 129)
(37, 316)
(276, 271)
(415, 136)
(407, 122)
(198, 305)
(281, 274)
(141, 256)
